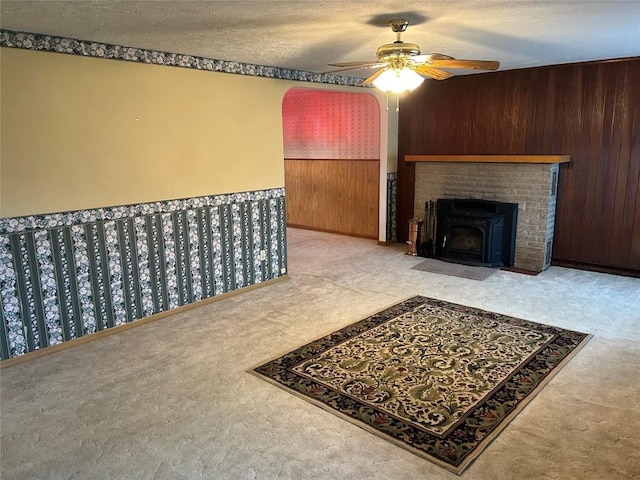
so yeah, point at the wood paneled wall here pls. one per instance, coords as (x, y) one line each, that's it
(590, 111)
(339, 196)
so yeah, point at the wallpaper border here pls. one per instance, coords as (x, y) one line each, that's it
(78, 217)
(88, 48)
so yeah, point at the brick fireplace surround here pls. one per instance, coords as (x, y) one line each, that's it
(529, 181)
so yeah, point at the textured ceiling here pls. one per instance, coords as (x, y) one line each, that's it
(307, 35)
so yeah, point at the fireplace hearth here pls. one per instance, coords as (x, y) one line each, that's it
(476, 232)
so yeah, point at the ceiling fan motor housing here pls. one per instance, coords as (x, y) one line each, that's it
(397, 49)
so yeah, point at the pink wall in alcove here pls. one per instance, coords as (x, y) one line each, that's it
(330, 125)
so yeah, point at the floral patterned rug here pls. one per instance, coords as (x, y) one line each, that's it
(437, 378)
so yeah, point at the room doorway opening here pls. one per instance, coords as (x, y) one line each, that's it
(332, 161)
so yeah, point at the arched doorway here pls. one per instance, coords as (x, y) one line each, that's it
(332, 161)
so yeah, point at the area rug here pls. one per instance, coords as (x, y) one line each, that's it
(455, 269)
(436, 378)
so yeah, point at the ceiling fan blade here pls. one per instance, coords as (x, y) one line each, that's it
(429, 71)
(369, 80)
(429, 57)
(367, 65)
(352, 64)
(466, 64)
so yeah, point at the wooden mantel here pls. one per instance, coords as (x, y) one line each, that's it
(489, 158)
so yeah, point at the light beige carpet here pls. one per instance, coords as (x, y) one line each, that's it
(172, 399)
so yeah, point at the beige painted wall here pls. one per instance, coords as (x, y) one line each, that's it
(81, 132)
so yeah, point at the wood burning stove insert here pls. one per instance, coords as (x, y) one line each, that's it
(476, 232)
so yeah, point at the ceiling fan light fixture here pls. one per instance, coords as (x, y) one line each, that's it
(398, 80)
(401, 67)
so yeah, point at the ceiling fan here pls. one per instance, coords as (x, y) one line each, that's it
(402, 67)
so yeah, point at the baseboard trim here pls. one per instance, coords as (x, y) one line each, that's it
(325, 230)
(523, 271)
(9, 362)
(625, 272)
(385, 244)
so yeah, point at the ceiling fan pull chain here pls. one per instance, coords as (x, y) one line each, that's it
(387, 94)
(397, 103)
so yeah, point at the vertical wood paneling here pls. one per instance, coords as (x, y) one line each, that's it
(589, 111)
(333, 195)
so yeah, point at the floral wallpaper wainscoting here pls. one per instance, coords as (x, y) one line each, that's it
(392, 194)
(66, 275)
